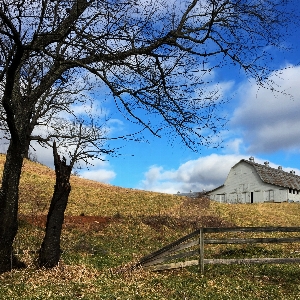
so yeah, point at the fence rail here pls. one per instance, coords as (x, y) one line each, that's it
(192, 245)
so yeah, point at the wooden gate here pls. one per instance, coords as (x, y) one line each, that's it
(192, 246)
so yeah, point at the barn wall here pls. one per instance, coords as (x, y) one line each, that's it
(243, 185)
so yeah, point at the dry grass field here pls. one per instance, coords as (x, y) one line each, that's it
(107, 227)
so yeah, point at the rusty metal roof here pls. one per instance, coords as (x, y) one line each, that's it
(275, 176)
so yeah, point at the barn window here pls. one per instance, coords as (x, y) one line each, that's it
(290, 191)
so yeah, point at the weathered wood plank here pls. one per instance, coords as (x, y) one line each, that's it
(252, 261)
(185, 246)
(201, 251)
(252, 240)
(178, 248)
(250, 229)
(172, 257)
(168, 247)
(174, 265)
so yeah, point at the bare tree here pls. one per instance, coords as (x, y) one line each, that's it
(49, 253)
(81, 137)
(81, 143)
(148, 53)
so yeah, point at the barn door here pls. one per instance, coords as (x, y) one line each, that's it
(270, 196)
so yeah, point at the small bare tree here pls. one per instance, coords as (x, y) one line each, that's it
(81, 143)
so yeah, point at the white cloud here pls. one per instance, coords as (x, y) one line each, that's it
(100, 171)
(41, 154)
(101, 175)
(205, 172)
(234, 145)
(269, 119)
(3, 143)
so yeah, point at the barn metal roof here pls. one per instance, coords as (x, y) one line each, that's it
(275, 176)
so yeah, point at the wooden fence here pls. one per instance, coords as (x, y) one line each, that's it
(192, 245)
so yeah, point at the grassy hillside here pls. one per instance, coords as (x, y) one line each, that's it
(108, 226)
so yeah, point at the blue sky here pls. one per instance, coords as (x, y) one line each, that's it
(261, 123)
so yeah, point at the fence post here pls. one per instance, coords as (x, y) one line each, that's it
(201, 251)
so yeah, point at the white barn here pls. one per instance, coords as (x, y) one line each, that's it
(250, 182)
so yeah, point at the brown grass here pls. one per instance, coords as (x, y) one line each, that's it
(87, 197)
(107, 226)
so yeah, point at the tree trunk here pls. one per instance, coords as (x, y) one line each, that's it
(9, 196)
(50, 251)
